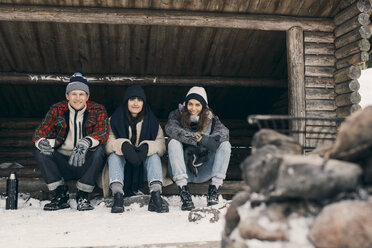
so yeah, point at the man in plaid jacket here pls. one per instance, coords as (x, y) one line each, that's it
(70, 145)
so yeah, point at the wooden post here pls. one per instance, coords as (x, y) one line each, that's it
(296, 78)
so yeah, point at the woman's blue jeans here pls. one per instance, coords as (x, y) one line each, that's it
(216, 166)
(152, 166)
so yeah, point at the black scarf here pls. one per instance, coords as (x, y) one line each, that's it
(119, 119)
(134, 175)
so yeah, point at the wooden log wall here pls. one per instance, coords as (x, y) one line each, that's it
(319, 83)
(351, 51)
(16, 146)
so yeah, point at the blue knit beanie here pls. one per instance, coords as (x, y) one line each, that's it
(78, 82)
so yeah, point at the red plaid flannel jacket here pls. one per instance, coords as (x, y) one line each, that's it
(55, 123)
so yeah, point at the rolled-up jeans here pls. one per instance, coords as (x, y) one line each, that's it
(216, 166)
(152, 166)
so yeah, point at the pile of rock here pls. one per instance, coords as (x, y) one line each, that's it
(329, 184)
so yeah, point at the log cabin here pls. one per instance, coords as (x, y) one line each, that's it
(290, 57)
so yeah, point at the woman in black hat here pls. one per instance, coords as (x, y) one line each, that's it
(135, 144)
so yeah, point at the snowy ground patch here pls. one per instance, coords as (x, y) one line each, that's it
(30, 226)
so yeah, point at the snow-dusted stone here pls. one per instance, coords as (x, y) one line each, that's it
(232, 217)
(314, 178)
(261, 168)
(354, 139)
(283, 142)
(250, 228)
(345, 224)
(280, 211)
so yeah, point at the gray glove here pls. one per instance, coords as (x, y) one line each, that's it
(78, 154)
(45, 147)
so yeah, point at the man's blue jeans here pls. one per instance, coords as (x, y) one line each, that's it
(152, 166)
(216, 166)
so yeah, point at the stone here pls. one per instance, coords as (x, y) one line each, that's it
(282, 142)
(346, 224)
(232, 217)
(260, 169)
(281, 211)
(314, 178)
(354, 138)
(250, 228)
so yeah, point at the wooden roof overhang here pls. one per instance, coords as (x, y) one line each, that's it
(24, 61)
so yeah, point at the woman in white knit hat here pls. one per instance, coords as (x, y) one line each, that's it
(199, 148)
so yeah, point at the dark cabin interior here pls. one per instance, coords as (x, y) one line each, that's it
(149, 50)
(244, 71)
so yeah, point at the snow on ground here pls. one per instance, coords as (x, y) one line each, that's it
(298, 229)
(30, 226)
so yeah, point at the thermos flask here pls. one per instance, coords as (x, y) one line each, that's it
(12, 192)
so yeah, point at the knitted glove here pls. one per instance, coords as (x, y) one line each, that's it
(210, 142)
(142, 152)
(79, 153)
(130, 154)
(45, 147)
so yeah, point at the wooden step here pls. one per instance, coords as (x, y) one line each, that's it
(37, 185)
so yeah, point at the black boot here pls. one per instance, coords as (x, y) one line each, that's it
(187, 203)
(212, 197)
(118, 205)
(60, 199)
(156, 203)
(82, 201)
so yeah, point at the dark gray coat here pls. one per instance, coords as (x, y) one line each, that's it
(175, 131)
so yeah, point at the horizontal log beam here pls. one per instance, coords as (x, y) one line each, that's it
(317, 49)
(355, 22)
(347, 110)
(360, 6)
(362, 32)
(347, 99)
(319, 82)
(320, 60)
(352, 48)
(53, 79)
(352, 60)
(345, 74)
(347, 87)
(160, 17)
(321, 113)
(319, 71)
(327, 105)
(319, 94)
(319, 37)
